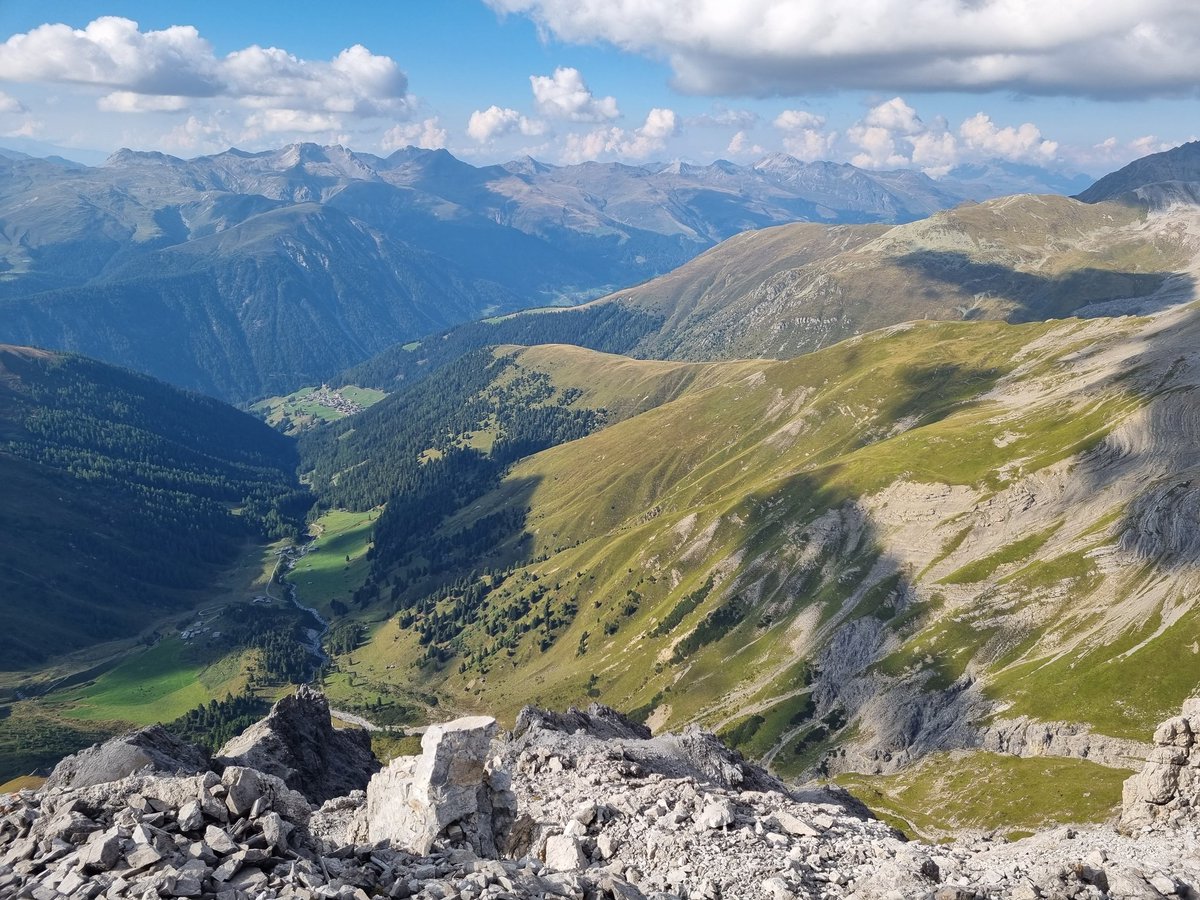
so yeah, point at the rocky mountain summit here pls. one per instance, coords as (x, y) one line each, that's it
(1157, 180)
(578, 805)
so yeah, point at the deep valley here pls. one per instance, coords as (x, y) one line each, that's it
(880, 505)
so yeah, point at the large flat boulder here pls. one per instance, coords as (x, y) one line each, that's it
(297, 743)
(152, 749)
(451, 792)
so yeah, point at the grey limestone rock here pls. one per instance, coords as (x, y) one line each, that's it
(564, 853)
(417, 800)
(102, 851)
(717, 814)
(594, 825)
(596, 721)
(248, 790)
(148, 749)
(297, 743)
(1169, 783)
(715, 762)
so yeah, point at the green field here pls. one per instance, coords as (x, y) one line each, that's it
(158, 685)
(22, 783)
(947, 793)
(337, 564)
(363, 396)
(387, 747)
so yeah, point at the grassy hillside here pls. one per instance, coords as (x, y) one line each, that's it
(125, 499)
(948, 793)
(791, 289)
(875, 547)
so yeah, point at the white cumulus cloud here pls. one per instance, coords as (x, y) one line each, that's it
(1106, 48)
(10, 104)
(486, 125)
(935, 152)
(723, 117)
(113, 53)
(804, 134)
(427, 134)
(795, 119)
(741, 145)
(660, 125)
(884, 135)
(895, 116)
(196, 135)
(892, 135)
(130, 102)
(565, 95)
(1112, 153)
(810, 144)
(30, 128)
(282, 121)
(1022, 143)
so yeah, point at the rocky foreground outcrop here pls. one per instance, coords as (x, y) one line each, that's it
(1167, 790)
(583, 805)
(298, 743)
(149, 749)
(452, 789)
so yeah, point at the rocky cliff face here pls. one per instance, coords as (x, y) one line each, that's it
(602, 811)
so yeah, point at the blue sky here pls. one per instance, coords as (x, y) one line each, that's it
(925, 84)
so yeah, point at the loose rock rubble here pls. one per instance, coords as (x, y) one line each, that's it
(582, 805)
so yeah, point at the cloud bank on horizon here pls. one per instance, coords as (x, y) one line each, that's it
(761, 62)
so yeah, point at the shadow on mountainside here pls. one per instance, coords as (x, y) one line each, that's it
(932, 391)
(1155, 453)
(438, 577)
(1034, 296)
(419, 554)
(825, 583)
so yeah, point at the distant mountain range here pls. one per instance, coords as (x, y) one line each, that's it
(1159, 179)
(245, 274)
